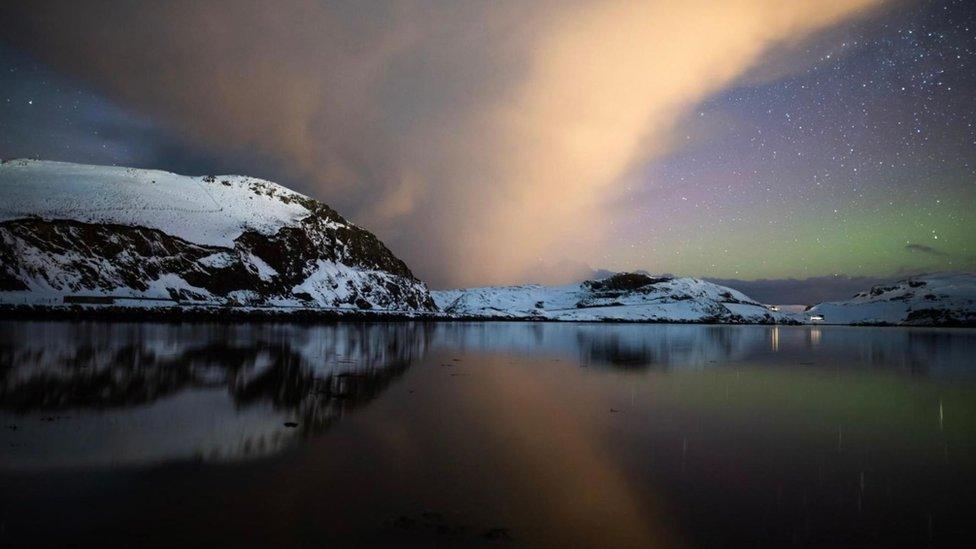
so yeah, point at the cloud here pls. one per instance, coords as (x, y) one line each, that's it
(474, 137)
(940, 258)
(564, 271)
(929, 250)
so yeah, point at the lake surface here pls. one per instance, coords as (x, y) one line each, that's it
(602, 435)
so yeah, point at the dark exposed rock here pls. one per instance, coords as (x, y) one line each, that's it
(878, 290)
(624, 282)
(88, 257)
(941, 317)
(99, 257)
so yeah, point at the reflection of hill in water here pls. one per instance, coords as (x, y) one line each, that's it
(626, 346)
(85, 394)
(676, 347)
(671, 348)
(95, 394)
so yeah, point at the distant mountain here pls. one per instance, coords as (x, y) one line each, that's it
(929, 300)
(803, 290)
(95, 236)
(626, 297)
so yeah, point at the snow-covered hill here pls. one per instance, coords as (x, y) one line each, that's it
(634, 297)
(99, 235)
(930, 300)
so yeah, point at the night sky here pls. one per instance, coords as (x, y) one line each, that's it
(492, 143)
(863, 162)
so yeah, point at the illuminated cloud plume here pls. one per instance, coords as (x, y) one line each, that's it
(474, 137)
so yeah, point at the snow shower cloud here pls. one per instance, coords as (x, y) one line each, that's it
(473, 137)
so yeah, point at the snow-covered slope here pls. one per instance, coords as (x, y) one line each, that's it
(204, 210)
(930, 300)
(632, 297)
(122, 235)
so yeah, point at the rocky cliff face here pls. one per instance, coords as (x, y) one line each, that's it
(139, 238)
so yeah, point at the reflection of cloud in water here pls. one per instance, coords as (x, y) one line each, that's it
(99, 394)
(626, 346)
(115, 394)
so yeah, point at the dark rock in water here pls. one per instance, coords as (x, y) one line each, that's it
(432, 516)
(428, 523)
(404, 522)
(498, 534)
(291, 424)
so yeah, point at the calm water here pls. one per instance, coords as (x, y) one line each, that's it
(486, 434)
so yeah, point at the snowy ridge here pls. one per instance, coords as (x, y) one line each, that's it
(929, 300)
(633, 297)
(211, 210)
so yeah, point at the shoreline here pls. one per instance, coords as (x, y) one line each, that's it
(329, 316)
